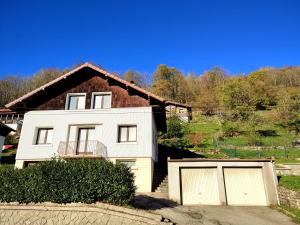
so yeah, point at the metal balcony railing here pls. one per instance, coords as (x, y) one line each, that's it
(84, 148)
(11, 118)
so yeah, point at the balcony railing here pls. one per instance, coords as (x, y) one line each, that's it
(82, 148)
(11, 118)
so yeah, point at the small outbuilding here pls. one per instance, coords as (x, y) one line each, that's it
(4, 131)
(242, 182)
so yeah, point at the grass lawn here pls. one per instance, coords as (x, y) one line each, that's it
(284, 160)
(290, 182)
(291, 212)
(275, 136)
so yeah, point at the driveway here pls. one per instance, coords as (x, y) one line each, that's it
(211, 215)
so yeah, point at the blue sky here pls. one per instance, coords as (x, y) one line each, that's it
(192, 35)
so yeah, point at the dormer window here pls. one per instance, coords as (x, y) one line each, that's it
(101, 100)
(75, 101)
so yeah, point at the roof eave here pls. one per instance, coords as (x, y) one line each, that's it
(85, 65)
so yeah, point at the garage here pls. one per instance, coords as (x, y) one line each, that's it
(200, 186)
(244, 186)
(236, 182)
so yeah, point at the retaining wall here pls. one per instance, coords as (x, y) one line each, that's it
(289, 197)
(76, 213)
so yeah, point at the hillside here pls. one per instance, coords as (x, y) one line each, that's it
(212, 138)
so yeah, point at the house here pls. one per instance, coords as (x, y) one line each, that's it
(11, 118)
(91, 113)
(183, 111)
(4, 131)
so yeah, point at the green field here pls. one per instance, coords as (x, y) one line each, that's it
(275, 141)
(290, 182)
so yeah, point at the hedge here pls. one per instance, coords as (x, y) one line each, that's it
(60, 181)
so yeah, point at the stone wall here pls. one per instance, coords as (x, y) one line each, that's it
(76, 213)
(289, 197)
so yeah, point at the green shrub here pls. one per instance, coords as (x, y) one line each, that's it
(230, 129)
(68, 181)
(254, 139)
(179, 143)
(174, 127)
(11, 139)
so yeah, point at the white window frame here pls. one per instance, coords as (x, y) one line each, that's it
(74, 94)
(38, 129)
(100, 93)
(127, 136)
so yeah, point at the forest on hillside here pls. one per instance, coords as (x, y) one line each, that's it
(213, 92)
(258, 109)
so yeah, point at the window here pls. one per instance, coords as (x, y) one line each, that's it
(101, 100)
(130, 163)
(127, 133)
(86, 140)
(44, 136)
(75, 101)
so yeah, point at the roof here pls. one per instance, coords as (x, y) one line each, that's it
(4, 129)
(220, 160)
(178, 104)
(91, 66)
(6, 111)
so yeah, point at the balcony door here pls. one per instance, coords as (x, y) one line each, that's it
(86, 137)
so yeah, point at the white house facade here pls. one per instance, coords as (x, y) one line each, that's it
(92, 113)
(92, 133)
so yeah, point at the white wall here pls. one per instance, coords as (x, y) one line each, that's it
(109, 119)
(2, 138)
(174, 183)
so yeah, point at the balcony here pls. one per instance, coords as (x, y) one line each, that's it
(12, 118)
(78, 149)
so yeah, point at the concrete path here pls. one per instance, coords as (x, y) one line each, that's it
(211, 215)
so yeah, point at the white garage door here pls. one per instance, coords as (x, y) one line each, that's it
(244, 186)
(200, 186)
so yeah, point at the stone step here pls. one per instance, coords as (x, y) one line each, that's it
(162, 181)
(165, 182)
(159, 182)
(163, 186)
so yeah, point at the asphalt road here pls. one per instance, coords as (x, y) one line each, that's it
(212, 215)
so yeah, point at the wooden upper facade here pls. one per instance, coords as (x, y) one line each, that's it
(86, 78)
(89, 79)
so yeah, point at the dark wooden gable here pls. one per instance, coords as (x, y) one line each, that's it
(86, 81)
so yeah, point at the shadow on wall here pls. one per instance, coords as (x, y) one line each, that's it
(161, 166)
(175, 153)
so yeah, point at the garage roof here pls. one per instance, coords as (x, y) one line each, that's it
(219, 160)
